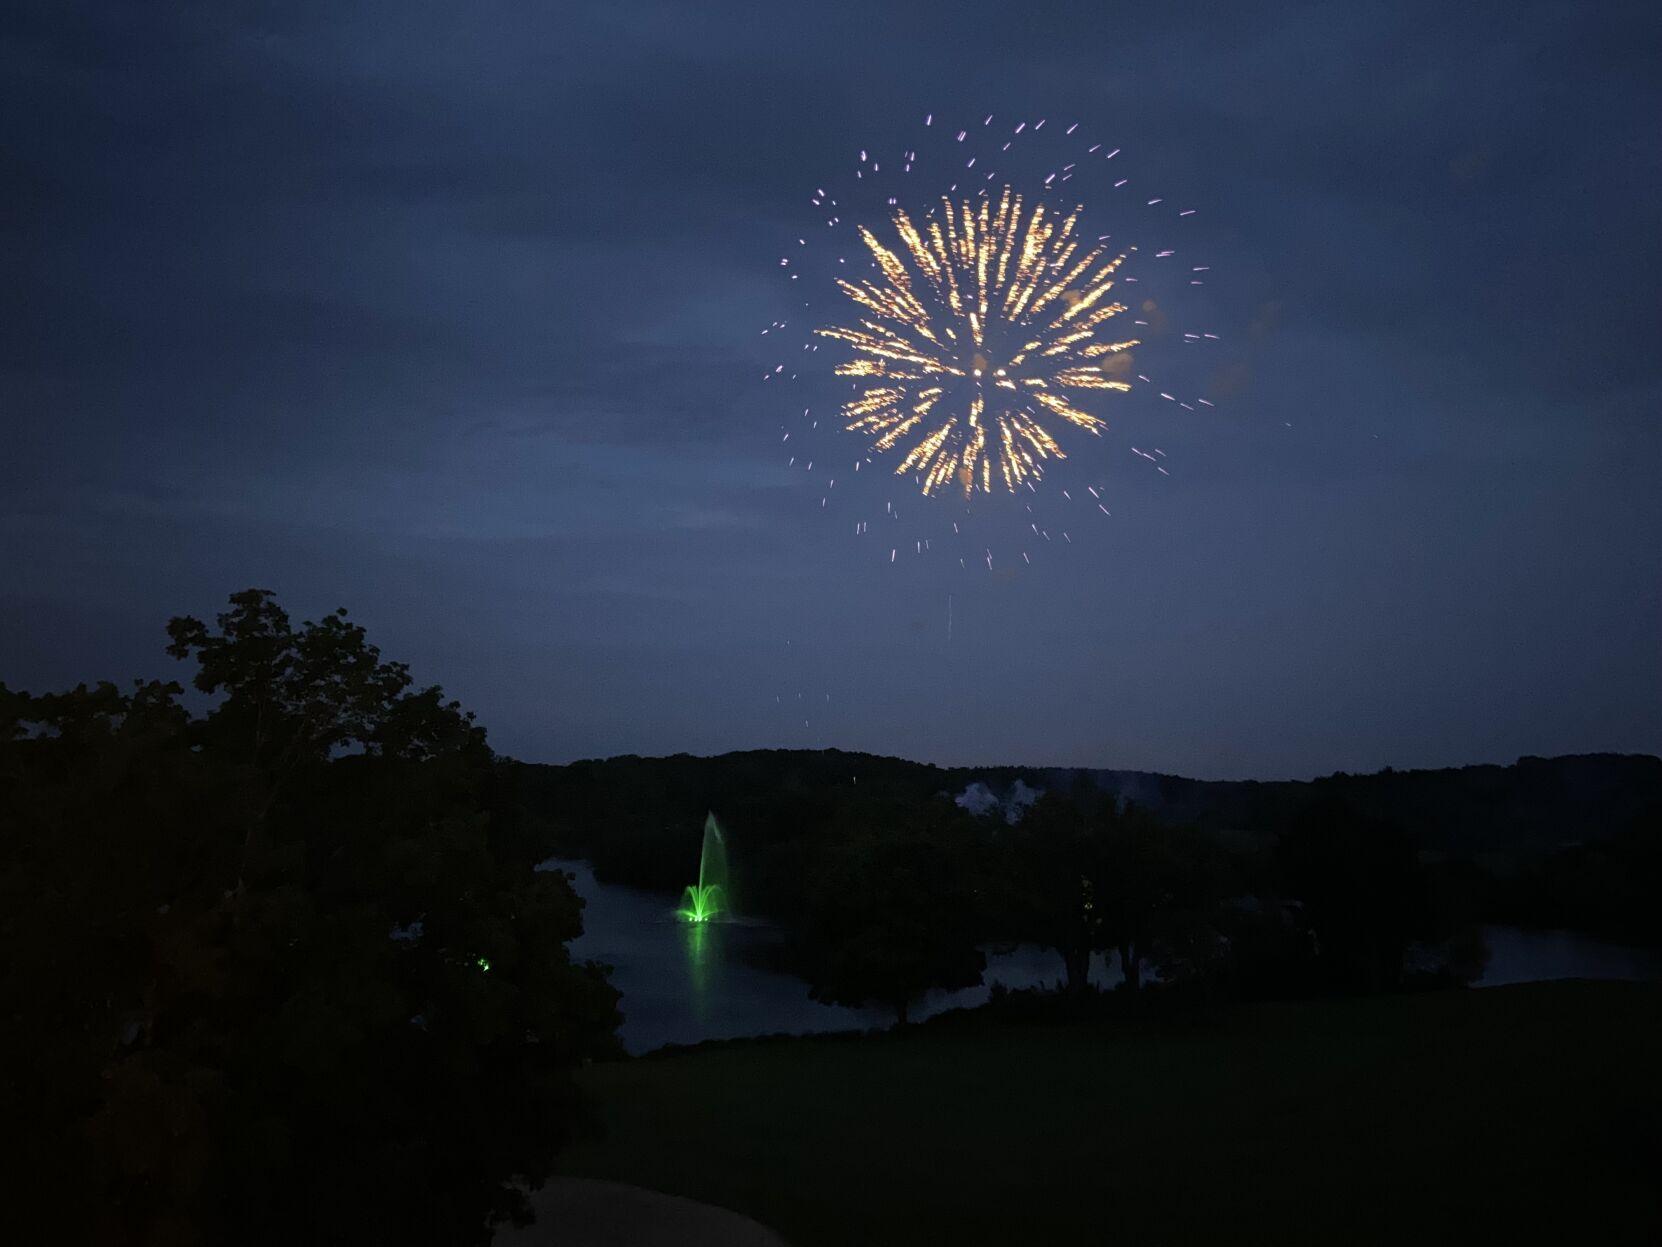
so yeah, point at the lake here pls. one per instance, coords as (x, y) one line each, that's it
(686, 982)
(1520, 956)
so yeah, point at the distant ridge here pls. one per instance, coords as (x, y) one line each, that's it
(1533, 805)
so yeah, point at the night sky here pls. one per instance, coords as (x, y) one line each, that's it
(449, 313)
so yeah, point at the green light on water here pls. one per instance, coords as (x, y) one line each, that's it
(707, 898)
(701, 965)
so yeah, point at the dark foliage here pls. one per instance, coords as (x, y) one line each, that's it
(1083, 873)
(891, 908)
(1546, 841)
(1608, 886)
(282, 972)
(1359, 886)
(1048, 869)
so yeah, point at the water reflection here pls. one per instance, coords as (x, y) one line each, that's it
(1518, 956)
(701, 963)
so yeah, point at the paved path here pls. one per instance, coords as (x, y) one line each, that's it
(585, 1212)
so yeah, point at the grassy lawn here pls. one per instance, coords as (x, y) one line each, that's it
(1528, 1113)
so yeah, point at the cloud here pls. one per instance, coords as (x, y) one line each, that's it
(451, 313)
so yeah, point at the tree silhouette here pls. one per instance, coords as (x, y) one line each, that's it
(892, 912)
(1051, 869)
(1361, 888)
(293, 973)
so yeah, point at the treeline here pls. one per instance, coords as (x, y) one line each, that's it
(888, 887)
(1572, 842)
(637, 819)
(895, 898)
(1533, 806)
(280, 971)
(1611, 887)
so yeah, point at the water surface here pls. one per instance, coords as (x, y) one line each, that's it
(1520, 956)
(683, 982)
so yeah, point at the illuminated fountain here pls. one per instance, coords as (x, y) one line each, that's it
(707, 898)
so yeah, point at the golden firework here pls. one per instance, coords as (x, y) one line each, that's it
(974, 337)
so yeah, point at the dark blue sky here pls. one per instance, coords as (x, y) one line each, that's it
(448, 313)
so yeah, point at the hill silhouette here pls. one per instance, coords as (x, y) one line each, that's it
(1535, 804)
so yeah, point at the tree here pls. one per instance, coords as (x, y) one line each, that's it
(1052, 868)
(1361, 889)
(892, 913)
(288, 964)
(1159, 893)
(1083, 874)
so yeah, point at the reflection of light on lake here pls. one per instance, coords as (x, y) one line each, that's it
(700, 965)
(683, 982)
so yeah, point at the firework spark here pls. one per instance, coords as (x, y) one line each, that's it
(972, 343)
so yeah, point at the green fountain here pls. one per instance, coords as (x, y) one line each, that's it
(707, 898)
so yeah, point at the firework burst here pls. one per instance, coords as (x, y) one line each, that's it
(972, 346)
(965, 342)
